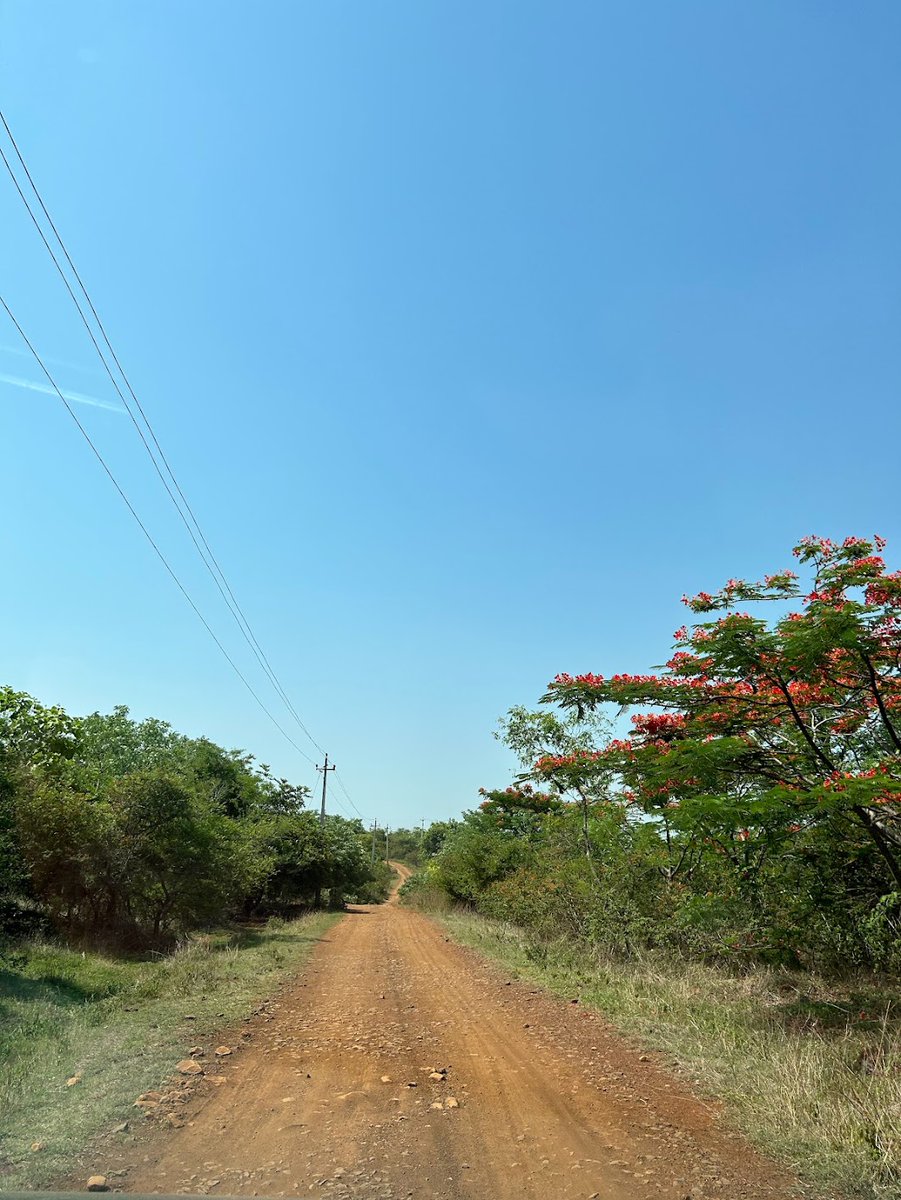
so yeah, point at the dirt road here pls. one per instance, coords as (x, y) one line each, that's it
(400, 1065)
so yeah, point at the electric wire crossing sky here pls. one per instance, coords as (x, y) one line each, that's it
(154, 450)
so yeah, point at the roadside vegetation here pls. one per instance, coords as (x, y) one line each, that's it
(126, 835)
(723, 876)
(85, 1033)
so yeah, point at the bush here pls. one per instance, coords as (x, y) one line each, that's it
(424, 893)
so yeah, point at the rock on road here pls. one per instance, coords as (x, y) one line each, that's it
(399, 1065)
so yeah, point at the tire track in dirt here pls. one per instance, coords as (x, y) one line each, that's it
(347, 1081)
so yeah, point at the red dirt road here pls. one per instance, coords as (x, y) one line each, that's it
(331, 1093)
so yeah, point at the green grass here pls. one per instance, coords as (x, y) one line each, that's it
(120, 1025)
(810, 1071)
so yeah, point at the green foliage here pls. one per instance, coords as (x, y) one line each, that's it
(377, 888)
(882, 930)
(32, 738)
(436, 835)
(113, 745)
(126, 833)
(405, 845)
(424, 892)
(533, 734)
(477, 855)
(32, 733)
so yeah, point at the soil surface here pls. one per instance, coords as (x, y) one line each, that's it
(401, 1066)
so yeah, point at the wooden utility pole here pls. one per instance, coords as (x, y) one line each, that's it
(387, 831)
(375, 826)
(325, 770)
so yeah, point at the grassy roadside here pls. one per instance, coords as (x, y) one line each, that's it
(119, 1026)
(809, 1071)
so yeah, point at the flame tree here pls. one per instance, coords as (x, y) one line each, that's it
(761, 731)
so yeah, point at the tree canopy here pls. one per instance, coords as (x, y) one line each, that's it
(130, 833)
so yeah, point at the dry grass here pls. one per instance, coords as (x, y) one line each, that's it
(809, 1070)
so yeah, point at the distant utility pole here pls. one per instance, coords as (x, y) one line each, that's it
(375, 826)
(325, 770)
(387, 831)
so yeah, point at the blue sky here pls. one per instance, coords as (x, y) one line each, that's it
(475, 333)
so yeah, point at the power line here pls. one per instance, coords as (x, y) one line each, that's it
(340, 783)
(337, 799)
(204, 551)
(181, 503)
(160, 555)
(202, 547)
(166, 564)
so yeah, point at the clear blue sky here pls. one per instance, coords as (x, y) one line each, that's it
(477, 333)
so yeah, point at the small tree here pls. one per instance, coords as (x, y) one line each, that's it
(540, 739)
(178, 860)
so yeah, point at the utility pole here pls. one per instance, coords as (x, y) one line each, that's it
(387, 831)
(325, 770)
(375, 826)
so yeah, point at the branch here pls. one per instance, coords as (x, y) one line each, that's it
(807, 735)
(874, 683)
(883, 842)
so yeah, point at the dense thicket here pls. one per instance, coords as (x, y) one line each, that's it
(753, 811)
(129, 833)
